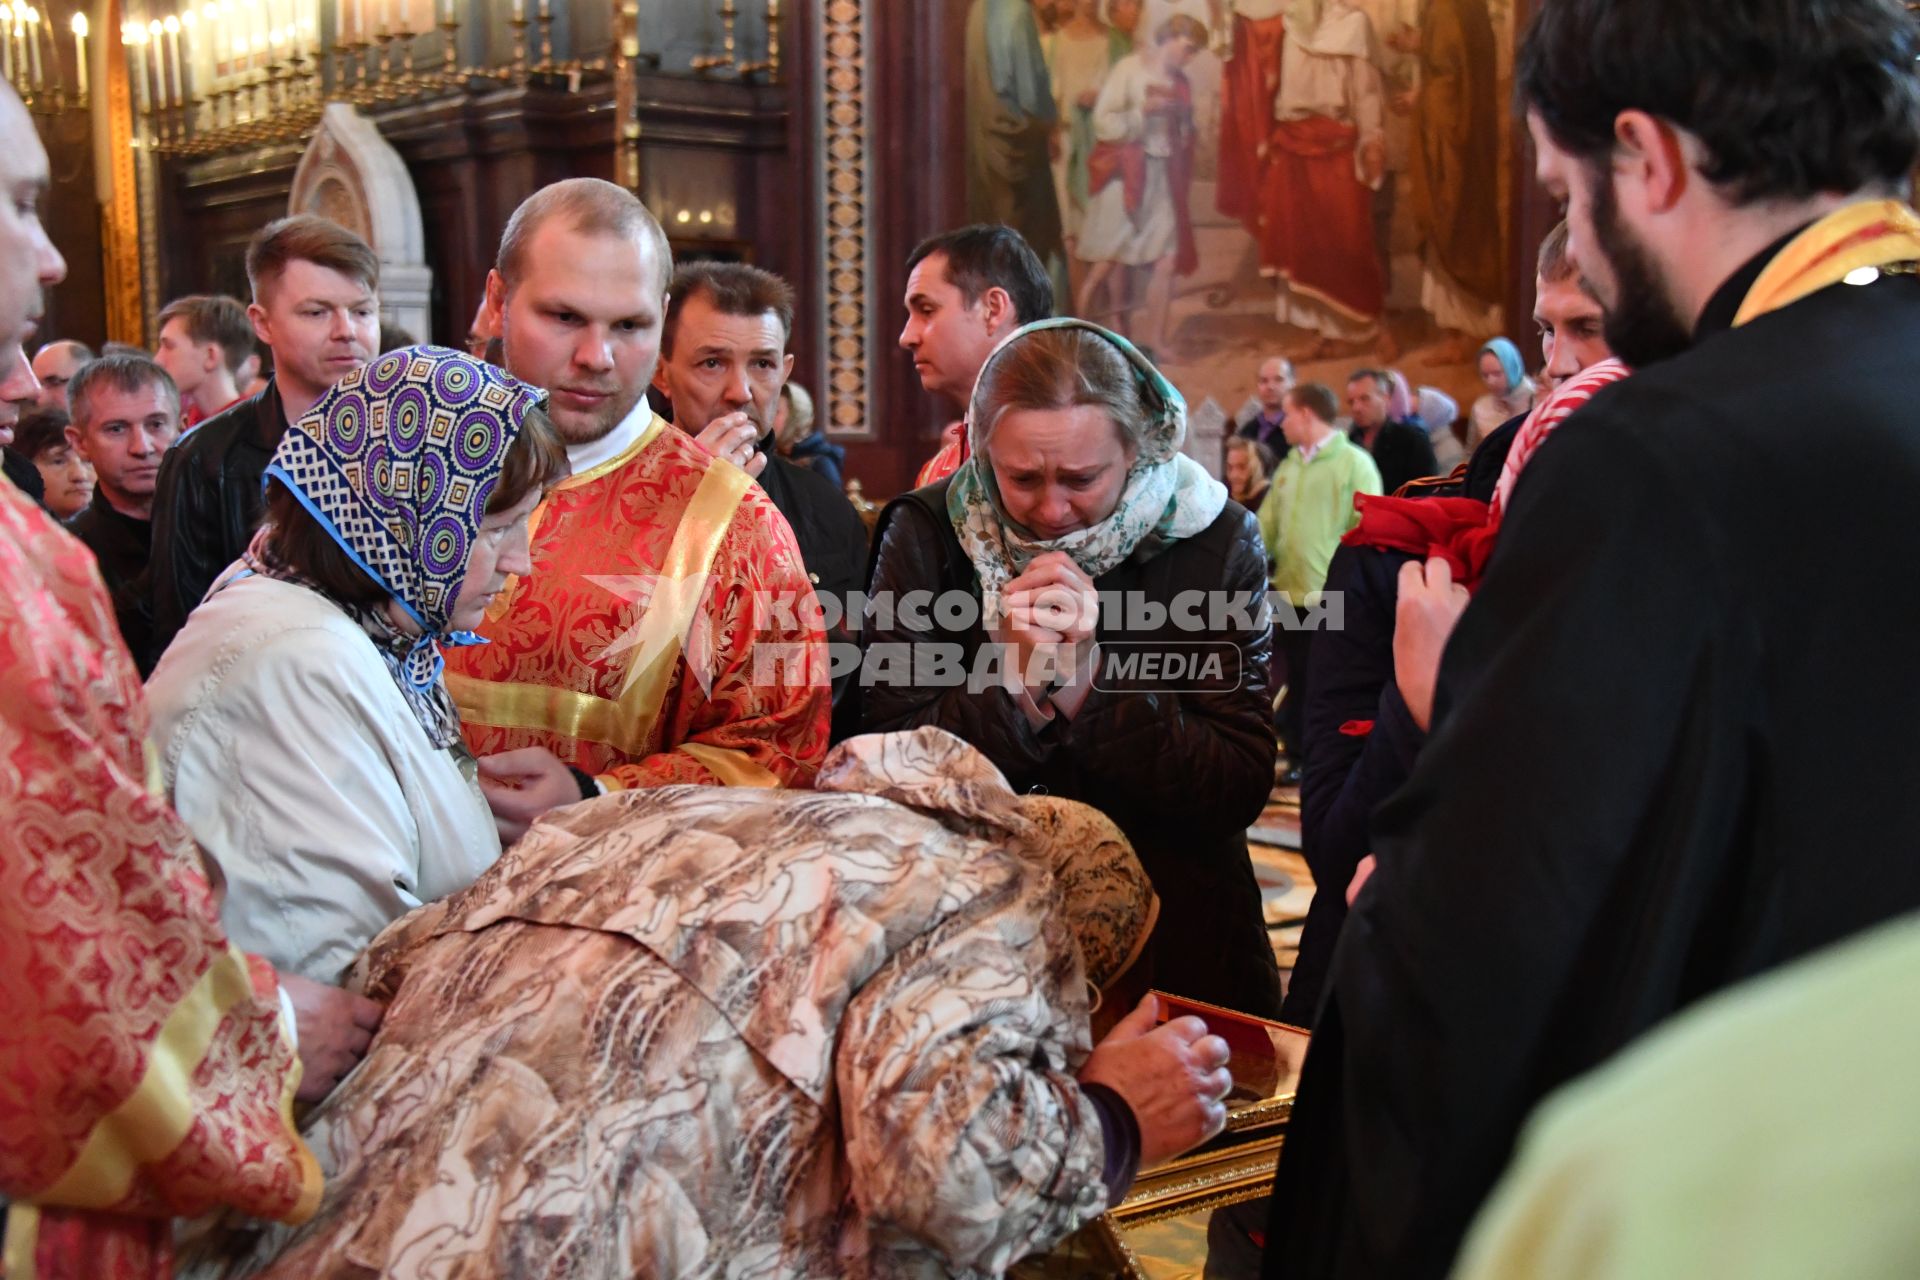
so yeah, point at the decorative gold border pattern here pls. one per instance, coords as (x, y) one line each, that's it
(120, 231)
(846, 265)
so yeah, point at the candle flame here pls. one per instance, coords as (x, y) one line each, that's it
(80, 25)
(172, 25)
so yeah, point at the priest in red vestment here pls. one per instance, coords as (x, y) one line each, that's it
(668, 631)
(147, 1068)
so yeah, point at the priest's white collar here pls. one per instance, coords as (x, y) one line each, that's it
(585, 457)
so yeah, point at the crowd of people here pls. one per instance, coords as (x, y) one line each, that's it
(498, 811)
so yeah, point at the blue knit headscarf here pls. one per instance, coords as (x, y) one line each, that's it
(1511, 364)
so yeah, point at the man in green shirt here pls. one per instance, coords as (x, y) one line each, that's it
(1307, 509)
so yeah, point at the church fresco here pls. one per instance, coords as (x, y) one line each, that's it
(1225, 180)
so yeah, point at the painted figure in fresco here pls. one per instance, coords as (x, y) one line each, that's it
(1140, 173)
(1123, 24)
(1328, 158)
(1454, 173)
(1249, 90)
(1079, 55)
(1010, 121)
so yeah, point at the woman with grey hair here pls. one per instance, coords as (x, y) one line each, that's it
(1098, 632)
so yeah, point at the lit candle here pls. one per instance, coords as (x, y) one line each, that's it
(446, 13)
(6, 40)
(33, 43)
(177, 93)
(212, 14)
(80, 53)
(157, 61)
(132, 39)
(519, 10)
(16, 41)
(386, 15)
(359, 21)
(190, 59)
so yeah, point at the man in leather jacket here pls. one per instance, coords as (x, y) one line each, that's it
(316, 306)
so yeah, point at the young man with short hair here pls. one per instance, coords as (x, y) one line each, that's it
(1566, 311)
(1308, 506)
(316, 307)
(205, 339)
(126, 415)
(966, 290)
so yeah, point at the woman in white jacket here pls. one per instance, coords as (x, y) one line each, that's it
(305, 733)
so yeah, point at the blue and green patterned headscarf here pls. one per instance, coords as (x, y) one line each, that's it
(1168, 496)
(397, 463)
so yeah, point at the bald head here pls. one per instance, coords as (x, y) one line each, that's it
(587, 207)
(54, 365)
(1276, 379)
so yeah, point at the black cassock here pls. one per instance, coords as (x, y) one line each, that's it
(1677, 743)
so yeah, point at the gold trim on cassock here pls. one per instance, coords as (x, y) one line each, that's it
(626, 722)
(733, 768)
(155, 1119)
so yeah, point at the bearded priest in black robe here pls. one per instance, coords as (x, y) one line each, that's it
(1674, 734)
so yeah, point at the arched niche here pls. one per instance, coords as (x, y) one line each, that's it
(351, 176)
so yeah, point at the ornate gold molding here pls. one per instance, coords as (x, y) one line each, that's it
(120, 211)
(846, 265)
(626, 97)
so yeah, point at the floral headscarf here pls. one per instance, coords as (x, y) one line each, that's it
(396, 463)
(1168, 496)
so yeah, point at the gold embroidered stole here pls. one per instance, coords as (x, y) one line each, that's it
(626, 721)
(1873, 234)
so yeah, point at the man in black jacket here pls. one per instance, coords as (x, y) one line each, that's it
(1401, 449)
(1361, 741)
(723, 360)
(316, 307)
(1653, 770)
(126, 415)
